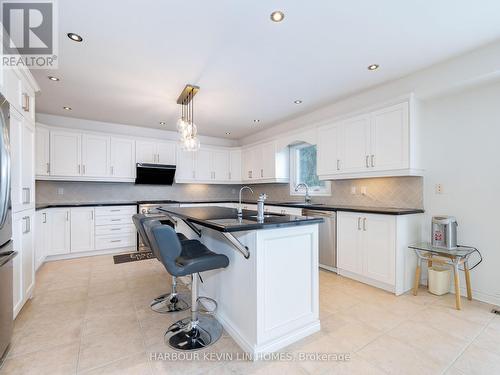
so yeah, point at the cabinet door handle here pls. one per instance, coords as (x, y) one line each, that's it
(26, 102)
(116, 241)
(44, 218)
(373, 160)
(92, 215)
(48, 167)
(261, 173)
(115, 229)
(83, 168)
(112, 170)
(118, 210)
(79, 169)
(364, 224)
(116, 219)
(67, 215)
(359, 223)
(27, 195)
(338, 164)
(229, 175)
(367, 161)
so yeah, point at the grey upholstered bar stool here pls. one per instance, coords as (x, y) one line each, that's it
(181, 259)
(168, 302)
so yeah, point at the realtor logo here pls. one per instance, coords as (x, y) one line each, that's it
(29, 34)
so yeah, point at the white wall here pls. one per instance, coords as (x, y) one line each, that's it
(462, 71)
(461, 151)
(76, 123)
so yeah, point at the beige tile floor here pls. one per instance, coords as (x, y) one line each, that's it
(89, 316)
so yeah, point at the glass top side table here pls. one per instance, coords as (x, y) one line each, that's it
(453, 257)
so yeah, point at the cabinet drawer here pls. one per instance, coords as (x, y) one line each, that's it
(113, 220)
(115, 210)
(114, 229)
(112, 242)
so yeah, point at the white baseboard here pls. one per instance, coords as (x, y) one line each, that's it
(84, 254)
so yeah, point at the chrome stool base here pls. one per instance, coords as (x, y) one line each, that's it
(170, 302)
(187, 335)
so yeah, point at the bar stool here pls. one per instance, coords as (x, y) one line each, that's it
(181, 259)
(168, 302)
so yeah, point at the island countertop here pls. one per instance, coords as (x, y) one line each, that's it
(224, 219)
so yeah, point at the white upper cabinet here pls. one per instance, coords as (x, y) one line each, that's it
(380, 143)
(356, 144)
(166, 153)
(122, 158)
(203, 170)
(42, 151)
(207, 165)
(70, 155)
(264, 163)
(145, 152)
(235, 165)
(219, 160)
(65, 153)
(95, 155)
(155, 152)
(390, 138)
(329, 143)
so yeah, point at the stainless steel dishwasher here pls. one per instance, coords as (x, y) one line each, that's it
(327, 238)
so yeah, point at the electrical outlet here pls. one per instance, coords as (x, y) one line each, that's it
(363, 190)
(60, 191)
(439, 189)
(353, 190)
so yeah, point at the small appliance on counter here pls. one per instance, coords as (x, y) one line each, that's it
(444, 232)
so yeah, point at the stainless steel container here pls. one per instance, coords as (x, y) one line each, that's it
(444, 232)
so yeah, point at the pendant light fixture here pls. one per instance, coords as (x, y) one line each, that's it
(188, 132)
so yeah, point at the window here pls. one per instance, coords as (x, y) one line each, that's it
(303, 170)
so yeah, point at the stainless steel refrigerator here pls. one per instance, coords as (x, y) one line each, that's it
(6, 250)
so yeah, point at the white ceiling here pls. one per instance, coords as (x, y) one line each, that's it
(137, 56)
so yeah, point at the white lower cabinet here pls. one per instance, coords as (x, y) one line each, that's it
(42, 237)
(59, 231)
(82, 229)
(373, 248)
(24, 263)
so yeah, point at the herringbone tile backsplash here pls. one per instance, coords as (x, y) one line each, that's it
(402, 192)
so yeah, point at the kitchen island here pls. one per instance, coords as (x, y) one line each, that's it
(268, 295)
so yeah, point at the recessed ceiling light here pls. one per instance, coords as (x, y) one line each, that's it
(277, 16)
(256, 120)
(163, 123)
(227, 133)
(373, 67)
(298, 101)
(75, 37)
(67, 108)
(52, 78)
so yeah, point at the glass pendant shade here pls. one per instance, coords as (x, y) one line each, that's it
(181, 124)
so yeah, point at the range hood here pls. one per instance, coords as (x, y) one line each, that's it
(155, 174)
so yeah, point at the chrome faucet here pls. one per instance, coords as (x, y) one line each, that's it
(307, 197)
(240, 211)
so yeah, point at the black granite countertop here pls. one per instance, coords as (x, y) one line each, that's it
(225, 219)
(314, 206)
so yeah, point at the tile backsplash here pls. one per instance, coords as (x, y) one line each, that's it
(401, 192)
(49, 192)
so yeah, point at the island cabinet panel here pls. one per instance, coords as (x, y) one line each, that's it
(257, 297)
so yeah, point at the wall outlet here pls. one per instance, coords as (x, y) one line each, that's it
(439, 189)
(363, 190)
(60, 191)
(353, 190)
